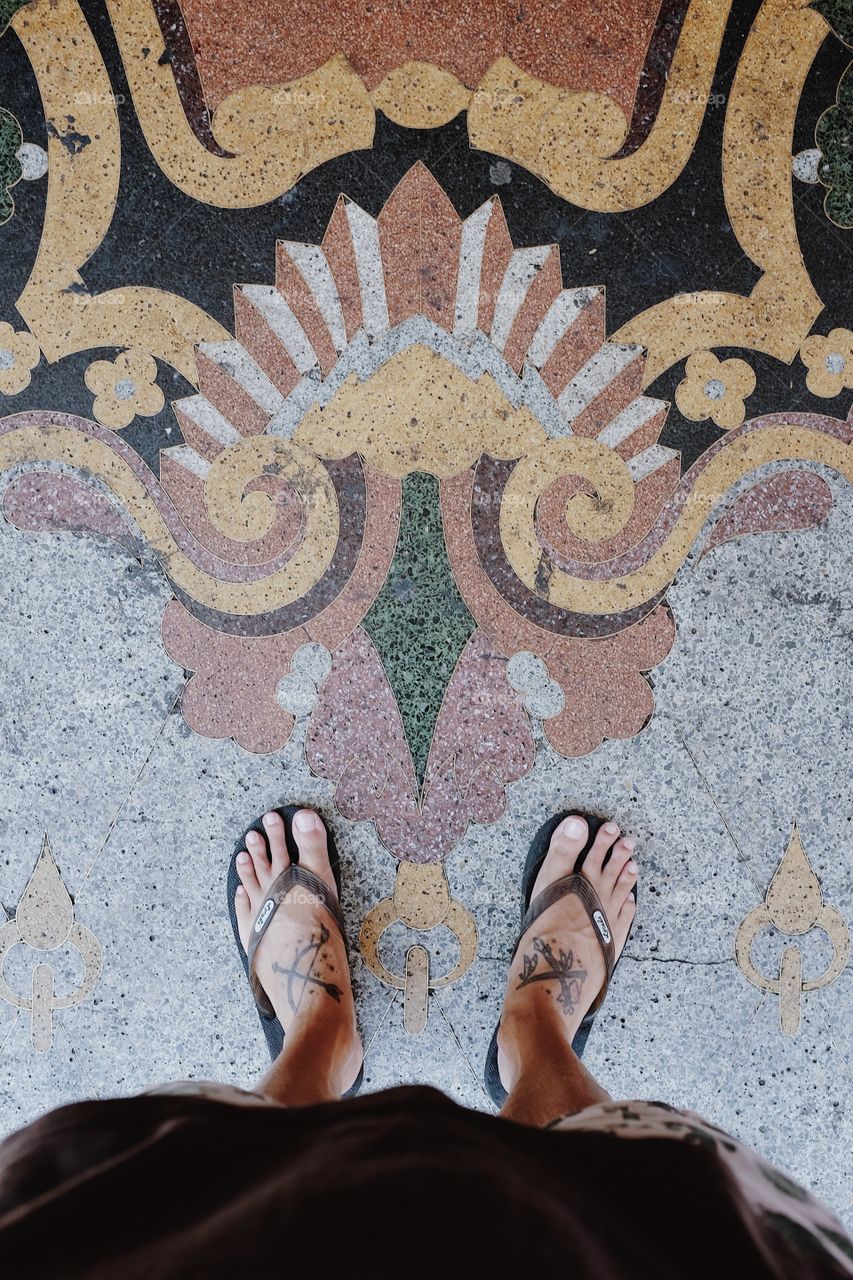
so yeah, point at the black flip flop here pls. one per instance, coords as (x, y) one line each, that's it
(294, 875)
(582, 888)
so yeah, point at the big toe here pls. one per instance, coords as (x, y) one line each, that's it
(566, 843)
(309, 833)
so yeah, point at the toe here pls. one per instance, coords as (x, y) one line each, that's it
(607, 833)
(244, 910)
(243, 907)
(246, 872)
(626, 913)
(310, 836)
(625, 882)
(257, 846)
(274, 827)
(623, 852)
(567, 841)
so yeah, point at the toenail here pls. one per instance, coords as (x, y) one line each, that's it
(629, 842)
(242, 857)
(305, 820)
(253, 838)
(241, 892)
(610, 827)
(268, 817)
(573, 827)
(632, 867)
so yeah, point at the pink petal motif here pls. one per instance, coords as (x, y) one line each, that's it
(232, 694)
(356, 736)
(606, 692)
(52, 502)
(790, 500)
(482, 741)
(420, 236)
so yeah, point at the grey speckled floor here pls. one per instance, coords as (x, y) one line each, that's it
(752, 729)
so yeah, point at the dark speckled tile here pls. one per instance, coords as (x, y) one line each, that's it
(419, 621)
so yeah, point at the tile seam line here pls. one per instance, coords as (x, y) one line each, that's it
(828, 1024)
(10, 1032)
(736, 1056)
(389, 1006)
(80, 1058)
(741, 855)
(460, 1046)
(129, 793)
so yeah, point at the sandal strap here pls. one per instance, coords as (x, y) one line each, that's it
(582, 889)
(292, 877)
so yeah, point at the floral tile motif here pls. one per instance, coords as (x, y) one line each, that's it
(44, 922)
(418, 465)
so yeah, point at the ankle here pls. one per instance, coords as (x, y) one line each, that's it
(530, 1037)
(315, 1064)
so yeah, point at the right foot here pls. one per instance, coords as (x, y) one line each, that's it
(564, 936)
(301, 961)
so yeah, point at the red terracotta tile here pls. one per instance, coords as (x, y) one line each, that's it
(420, 234)
(606, 693)
(232, 401)
(596, 45)
(338, 248)
(291, 284)
(611, 400)
(253, 332)
(575, 347)
(542, 292)
(497, 251)
(232, 693)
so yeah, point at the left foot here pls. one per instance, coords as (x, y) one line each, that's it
(301, 961)
(558, 969)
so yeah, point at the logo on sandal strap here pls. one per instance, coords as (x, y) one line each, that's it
(601, 925)
(264, 914)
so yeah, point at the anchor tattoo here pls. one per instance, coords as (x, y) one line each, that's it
(570, 980)
(296, 975)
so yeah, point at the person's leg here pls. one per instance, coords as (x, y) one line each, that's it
(303, 967)
(541, 1014)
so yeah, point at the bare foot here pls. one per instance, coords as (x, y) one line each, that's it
(558, 969)
(301, 961)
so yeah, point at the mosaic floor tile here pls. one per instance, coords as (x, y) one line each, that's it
(441, 419)
(31, 1083)
(419, 622)
(787, 1097)
(88, 690)
(434, 1057)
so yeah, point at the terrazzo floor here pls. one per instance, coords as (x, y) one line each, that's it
(441, 423)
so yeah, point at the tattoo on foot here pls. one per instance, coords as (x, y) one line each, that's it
(559, 968)
(298, 978)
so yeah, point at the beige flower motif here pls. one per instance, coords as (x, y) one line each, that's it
(829, 361)
(715, 389)
(19, 355)
(124, 387)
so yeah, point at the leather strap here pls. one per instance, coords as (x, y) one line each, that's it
(293, 877)
(582, 889)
